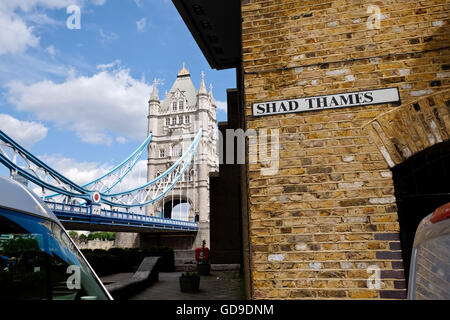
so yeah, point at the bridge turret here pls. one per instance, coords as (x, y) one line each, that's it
(203, 103)
(153, 110)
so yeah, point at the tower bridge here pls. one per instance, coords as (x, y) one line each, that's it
(181, 146)
(172, 121)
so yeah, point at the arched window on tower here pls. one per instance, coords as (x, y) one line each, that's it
(161, 153)
(180, 119)
(181, 105)
(187, 119)
(174, 121)
(167, 121)
(174, 106)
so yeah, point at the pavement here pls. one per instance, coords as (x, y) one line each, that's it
(219, 285)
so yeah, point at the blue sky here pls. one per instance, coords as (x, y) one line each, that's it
(77, 98)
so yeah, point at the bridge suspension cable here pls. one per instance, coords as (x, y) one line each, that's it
(19, 161)
(108, 181)
(157, 188)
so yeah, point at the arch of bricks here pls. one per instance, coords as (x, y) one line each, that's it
(404, 131)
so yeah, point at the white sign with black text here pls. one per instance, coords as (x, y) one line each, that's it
(332, 101)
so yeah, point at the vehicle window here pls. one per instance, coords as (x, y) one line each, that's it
(432, 269)
(38, 261)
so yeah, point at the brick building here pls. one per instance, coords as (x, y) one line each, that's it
(353, 180)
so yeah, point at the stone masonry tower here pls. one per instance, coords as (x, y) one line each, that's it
(174, 122)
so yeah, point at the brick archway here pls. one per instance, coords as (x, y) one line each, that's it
(405, 136)
(413, 127)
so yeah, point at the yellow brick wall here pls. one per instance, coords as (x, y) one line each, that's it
(330, 211)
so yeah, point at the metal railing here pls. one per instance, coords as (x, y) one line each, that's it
(64, 211)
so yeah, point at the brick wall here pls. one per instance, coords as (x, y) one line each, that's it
(330, 211)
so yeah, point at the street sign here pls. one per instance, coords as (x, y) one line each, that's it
(332, 101)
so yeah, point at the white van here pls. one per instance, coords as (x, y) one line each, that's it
(429, 276)
(38, 259)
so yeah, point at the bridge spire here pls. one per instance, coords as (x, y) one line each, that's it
(213, 101)
(154, 96)
(202, 89)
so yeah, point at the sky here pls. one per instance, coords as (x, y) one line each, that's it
(74, 88)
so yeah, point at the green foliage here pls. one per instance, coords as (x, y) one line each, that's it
(83, 237)
(189, 275)
(110, 236)
(73, 234)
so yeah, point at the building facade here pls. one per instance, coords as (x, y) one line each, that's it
(331, 217)
(174, 121)
(337, 219)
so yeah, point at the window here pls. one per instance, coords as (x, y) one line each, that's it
(161, 153)
(180, 120)
(167, 121)
(174, 121)
(174, 106)
(177, 151)
(38, 261)
(187, 119)
(181, 105)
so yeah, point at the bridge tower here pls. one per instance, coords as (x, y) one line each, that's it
(174, 121)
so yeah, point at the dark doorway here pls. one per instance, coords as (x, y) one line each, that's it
(422, 183)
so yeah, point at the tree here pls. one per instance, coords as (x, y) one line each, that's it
(73, 234)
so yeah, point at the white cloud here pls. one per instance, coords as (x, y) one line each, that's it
(121, 140)
(23, 132)
(98, 2)
(42, 19)
(221, 105)
(79, 172)
(140, 24)
(15, 35)
(96, 108)
(51, 50)
(29, 5)
(107, 36)
(138, 3)
(109, 65)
